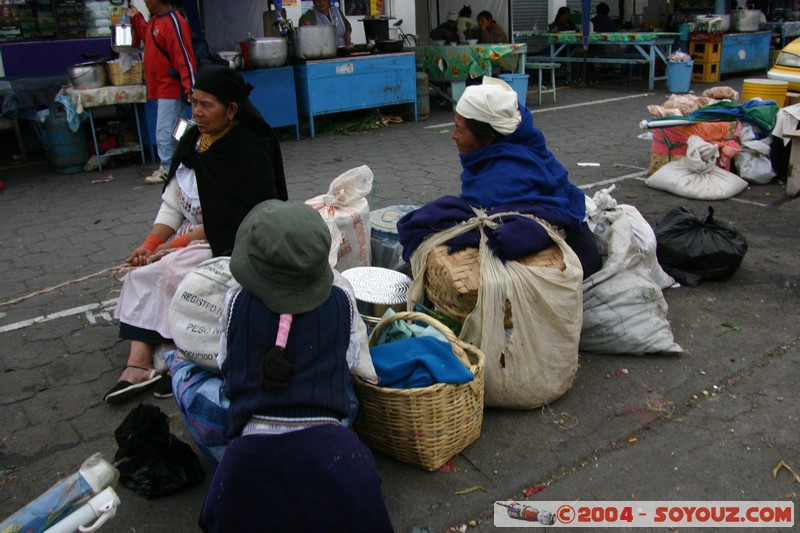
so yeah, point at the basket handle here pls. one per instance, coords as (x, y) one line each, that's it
(422, 317)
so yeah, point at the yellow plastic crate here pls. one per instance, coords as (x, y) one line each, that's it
(705, 52)
(705, 72)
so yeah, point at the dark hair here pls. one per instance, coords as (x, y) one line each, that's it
(466, 11)
(562, 10)
(485, 14)
(483, 131)
(276, 370)
(603, 9)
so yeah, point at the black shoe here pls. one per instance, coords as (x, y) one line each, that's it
(125, 390)
(163, 388)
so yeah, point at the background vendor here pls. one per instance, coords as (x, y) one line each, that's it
(323, 13)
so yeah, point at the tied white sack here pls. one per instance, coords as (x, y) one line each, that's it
(697, 175)
(345, 204)
(753, 162)
(196, 308)
(534, 363)
(624, 310)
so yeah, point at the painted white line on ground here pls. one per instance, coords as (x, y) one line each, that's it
(58, 314)
(558, 108)
(759, 204)
(610, 181)
(584, 104)
(435, 126)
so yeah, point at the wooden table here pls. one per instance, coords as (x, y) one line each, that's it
(646, 49)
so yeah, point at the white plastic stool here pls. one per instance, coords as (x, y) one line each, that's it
(542, 67)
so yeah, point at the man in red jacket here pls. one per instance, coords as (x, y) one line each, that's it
(169, 71)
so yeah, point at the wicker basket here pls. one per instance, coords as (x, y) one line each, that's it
(452, 280)
(132, 77)
(424, 426)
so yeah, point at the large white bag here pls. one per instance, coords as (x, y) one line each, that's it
(196, 308)
(753, 160)
(624, 310)
(534, 363)
(697, 175)
(346, 206)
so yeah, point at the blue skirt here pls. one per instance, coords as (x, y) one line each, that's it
(317, 479)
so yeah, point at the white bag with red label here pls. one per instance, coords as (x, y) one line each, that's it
(345, 204)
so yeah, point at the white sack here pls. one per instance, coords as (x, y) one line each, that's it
(346, 206)
(624, 310)
(537, 362)
(196, 308)
(697, 175)
(753, 162)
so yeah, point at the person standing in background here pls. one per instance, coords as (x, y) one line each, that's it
(324, 13)
(169, 72)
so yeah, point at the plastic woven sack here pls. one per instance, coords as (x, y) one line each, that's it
(693, 249)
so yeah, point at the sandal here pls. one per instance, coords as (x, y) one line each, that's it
(125, 390)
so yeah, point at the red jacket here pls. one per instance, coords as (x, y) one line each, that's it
(170, 32)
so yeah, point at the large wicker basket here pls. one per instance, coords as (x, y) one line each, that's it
(452, 280)
(423, 426)
(132, 77)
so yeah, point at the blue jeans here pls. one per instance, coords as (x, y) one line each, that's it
(168, 111)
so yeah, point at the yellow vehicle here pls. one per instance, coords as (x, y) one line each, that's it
(787, 66)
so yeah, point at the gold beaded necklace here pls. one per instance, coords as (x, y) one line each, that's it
(207, 139)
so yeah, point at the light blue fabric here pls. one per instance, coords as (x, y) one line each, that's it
(400, 329)
(74, 118)
(168, 111)
(417, 362)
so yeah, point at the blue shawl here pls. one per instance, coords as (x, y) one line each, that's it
(519, 169)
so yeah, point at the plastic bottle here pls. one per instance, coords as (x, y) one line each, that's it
(64, 497)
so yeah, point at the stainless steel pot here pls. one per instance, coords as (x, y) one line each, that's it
(122, 38)
(315, 42)
(264, 52)
(90, 75)
(743, 20)
(234, 59)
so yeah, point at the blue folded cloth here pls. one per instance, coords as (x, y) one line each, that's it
(417, 362)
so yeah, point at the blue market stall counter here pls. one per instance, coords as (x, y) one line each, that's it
(355, 82)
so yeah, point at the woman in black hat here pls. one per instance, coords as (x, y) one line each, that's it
(224, 165)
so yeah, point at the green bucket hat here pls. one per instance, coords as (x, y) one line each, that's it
(281, 256)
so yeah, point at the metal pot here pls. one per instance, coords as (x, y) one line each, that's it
(264, 52)
(234, 59)
(122, 38)
(743, 20)
(315, 42)
(90, 75)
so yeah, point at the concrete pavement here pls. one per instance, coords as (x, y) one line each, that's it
(710, 424)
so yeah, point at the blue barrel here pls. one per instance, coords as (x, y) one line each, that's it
(66, 149)
(679, 76)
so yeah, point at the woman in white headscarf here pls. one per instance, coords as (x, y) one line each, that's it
(506, 166)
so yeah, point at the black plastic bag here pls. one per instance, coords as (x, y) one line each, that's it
(153, 462)
(693, 249)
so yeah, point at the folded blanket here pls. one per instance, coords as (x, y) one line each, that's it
(417, 362)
